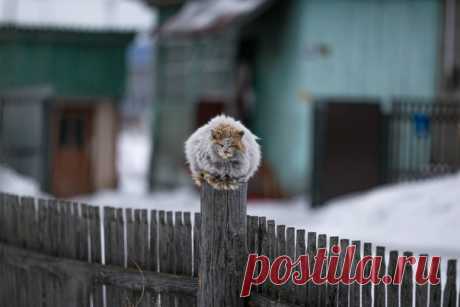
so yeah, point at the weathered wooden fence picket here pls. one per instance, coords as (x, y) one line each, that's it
(60, 253)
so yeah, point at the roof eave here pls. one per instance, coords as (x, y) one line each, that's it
(163, 3)
(218, 26)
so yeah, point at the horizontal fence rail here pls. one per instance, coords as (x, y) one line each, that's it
(59, 253)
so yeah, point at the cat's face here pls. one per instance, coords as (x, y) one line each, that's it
(227, 141)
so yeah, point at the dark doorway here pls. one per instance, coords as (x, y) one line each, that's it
(348, 148)
(207, 109)
(245, 87)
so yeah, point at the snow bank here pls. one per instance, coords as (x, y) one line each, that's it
(133, 161)
(12, 182)
(423, 216)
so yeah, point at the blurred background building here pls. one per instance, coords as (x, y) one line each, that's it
(275, 64)
(63, 78)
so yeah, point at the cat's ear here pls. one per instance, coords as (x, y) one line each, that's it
(215, 135)
(241, 133)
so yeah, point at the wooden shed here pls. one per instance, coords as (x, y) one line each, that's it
(59, 95)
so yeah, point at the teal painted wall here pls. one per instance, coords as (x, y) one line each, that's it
(377, 48)
(74, 63)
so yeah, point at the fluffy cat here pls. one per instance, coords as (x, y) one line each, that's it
(223, 153)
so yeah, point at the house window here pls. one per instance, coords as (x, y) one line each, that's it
(71, 132)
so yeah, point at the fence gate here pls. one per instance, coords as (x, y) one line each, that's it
(349, 147)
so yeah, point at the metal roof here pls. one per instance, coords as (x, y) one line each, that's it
(53, 34)
(10, 27)
(86, 15)
(207, 15)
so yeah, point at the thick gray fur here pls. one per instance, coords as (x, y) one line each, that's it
(206, 164)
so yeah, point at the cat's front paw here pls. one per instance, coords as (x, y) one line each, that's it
(199, 178)
(213, 181)
(222, 183)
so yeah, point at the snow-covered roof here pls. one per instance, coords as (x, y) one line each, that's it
(117, 15)
(207, 15)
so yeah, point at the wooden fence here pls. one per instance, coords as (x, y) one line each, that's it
(423, 139)
(58, 253)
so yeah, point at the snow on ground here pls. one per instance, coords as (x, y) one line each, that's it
(13, 182)
(133, 161)
(421, 217)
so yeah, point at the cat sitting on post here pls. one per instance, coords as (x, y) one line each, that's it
(223, 153)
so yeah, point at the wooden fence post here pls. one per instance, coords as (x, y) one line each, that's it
(223, 247)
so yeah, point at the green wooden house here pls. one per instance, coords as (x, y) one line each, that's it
(267, 61)
(59, 95)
